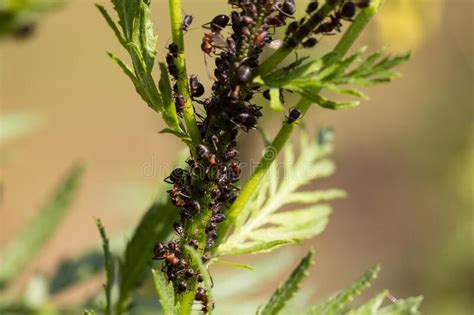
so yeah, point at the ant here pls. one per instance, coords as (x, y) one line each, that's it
(177, 176)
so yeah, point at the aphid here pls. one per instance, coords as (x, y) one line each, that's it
(180, 103)
(211, 227)
(215, 141)
(288, 8)
(293, 116)
(203, 152)
(194, 244)
(187, 21)
(197, 89)
(234, 94)
(201, 295)
(230, 154)
(189, 273)
(261, 38)
(292, 27)
(159, 250)
(310, 42)
(170, 258)
(178, 175)
(245, 32)
(182, 287)
(244, 73)
(218, 218)
(205, 258)
(312, 6)
(348, 10)
(193, 206)
(207, 45)
(246, 20)
(178, 228)
(174, 49)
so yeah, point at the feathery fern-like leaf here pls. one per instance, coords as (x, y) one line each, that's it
(253, 234)
(287, 290)
(334, 304)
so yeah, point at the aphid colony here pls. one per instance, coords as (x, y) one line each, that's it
(207, 187)
(306, 30)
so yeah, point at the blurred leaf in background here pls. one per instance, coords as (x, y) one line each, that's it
(18, 17)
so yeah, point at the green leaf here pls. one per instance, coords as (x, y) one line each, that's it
(261, 227)
(334, 304)
(287, 290)
(403, 307)
(39, 229)
(154, 226)
(166, 293)
(138, 85)
(275, 102)
(109, 268)
(112, 24)
(196, 258)
(233, 264)
(325, 103)
(184, 137)
(254, 247)
(147, 37)
(316, 196)
(89, 312)
(371, 307)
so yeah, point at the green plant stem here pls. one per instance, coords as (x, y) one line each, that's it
(180, 61)
(271, 152)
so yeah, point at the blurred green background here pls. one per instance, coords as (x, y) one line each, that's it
(405, 157)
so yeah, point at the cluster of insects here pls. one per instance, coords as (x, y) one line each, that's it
(205, 189)
(307, 29)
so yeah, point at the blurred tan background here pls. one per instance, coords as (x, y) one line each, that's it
(405, 157)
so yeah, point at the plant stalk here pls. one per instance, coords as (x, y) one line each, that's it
(183, 83)
(271, 152)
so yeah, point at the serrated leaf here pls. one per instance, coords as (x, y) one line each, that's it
(275, 102)
(196, 258)
(109, 268)
(253, 247)
(403, 307)
(334, 304)
(166, 293)
(138, 85)
(154, 226)
(259, 223)
(112, 25)
(371, 307)
(287, 290)
(40, 227)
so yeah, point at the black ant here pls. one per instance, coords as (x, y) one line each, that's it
(177, 176)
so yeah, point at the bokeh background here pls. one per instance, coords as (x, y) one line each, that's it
(405, 157)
